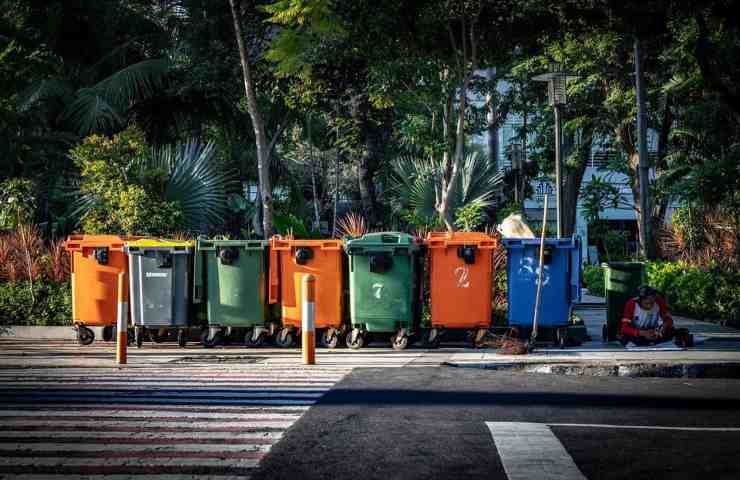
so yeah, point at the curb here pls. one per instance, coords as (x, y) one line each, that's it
(27, 332)
(628, 370)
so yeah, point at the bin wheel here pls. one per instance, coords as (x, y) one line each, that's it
(285, 338)
(85, 335)
(159, 336)
(357, 343)
(561, 336)
(513, 332)
(250, 342)
(330, 338)
(108, 334)
(182, 338)
(605, 333)
(139, 334)
(432, 340)
(204, 338)
(399, 342)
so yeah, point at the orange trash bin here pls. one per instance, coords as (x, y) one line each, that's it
(460, 277)
(290, 260)
(96, 262)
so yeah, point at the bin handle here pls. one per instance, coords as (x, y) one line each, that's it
(274, 277)
(197, 276)
(331, 246)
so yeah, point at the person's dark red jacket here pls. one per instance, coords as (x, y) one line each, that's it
(630, 326)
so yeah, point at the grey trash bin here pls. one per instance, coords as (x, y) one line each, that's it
(160, 272)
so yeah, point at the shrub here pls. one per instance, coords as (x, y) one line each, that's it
(17, 203)
(469, 217)
(290, 225)
(593, 279)
(22, 303)
(123, 193)
(711, 293)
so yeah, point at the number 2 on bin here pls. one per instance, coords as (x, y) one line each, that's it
(378, 287)
(463, 277)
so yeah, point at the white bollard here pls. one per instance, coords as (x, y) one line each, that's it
(122, 320)
(308, 327)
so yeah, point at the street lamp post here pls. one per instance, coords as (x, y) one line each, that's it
(557, 98)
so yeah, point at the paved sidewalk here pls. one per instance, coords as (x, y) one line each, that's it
(721, 347)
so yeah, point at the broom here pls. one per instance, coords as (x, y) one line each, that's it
(538, 298)
(509, 344)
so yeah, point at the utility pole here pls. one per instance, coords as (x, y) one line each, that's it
(643, 154)
(558, 169)
(557, 97)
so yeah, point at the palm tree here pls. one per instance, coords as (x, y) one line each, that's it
(417, 184)
(196, 182)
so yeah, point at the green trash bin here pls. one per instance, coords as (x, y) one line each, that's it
(621, 281)
(384, 287)
(159, 277)
(230, 278)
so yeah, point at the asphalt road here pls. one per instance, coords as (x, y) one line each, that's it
(431, 423)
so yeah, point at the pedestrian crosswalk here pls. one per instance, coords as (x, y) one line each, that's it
(160, 422)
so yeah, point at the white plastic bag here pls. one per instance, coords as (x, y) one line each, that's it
(514, 227)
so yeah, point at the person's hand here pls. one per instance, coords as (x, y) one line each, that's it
(648, 334)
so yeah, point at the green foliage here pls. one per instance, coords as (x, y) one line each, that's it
(508, 208)
(304, 23)
(687, 222)
(597, 195)
(130, 188)
(593, 279)
(420, 223)
(17, 203)
(469, 217)
(417, 184)
(194, 181)
(705, 293)
(113, 199)
(50, 303)
(287, 224)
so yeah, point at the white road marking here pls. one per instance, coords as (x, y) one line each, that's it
(150, 423)
(530, 451)
(646, 427)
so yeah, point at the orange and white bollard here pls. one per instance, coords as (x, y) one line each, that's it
(308, 327)
(122, 320)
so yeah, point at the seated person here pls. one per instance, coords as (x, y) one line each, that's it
(647, 321)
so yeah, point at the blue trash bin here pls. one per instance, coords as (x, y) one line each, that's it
(561, 286)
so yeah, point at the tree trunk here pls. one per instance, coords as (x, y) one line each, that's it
(633, 163)
(451, 163)
(572, 182)
(492, 119)
(263, 149)
(336, 193)
(367, 164)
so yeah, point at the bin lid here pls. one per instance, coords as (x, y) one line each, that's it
(569, 242)
(208, 244)
(286, 243)
(445, 239)
(633, 266)
(76, 243)
(382, 241)
(160, 243)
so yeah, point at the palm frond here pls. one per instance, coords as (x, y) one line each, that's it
(91, 112)
(135, 82)
(44, 90)
(196, 182)
(417, 183)
(103, 106)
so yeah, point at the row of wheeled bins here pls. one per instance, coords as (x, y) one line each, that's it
(234, 282)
